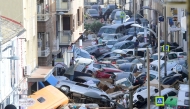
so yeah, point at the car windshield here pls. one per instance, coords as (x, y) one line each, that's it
(155, 57)
(101, 30)
(126, 83)
(93, 11)
(153, 67)
(135, 61)
(111, 42)
(115, 47)
(120, 62)
(108, 37)
(110, 30)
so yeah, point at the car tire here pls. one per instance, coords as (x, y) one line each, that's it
(66, 90)
(107, 102)
(89, 72)
(140, 98)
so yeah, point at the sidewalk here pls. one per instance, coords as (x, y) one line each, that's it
(84, 43)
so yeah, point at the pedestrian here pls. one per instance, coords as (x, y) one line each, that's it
(100, 40)
(96, 41)
(72, 61)
(100, 14)
(122, 15)
(126, 101)
(136, 44)
(134, 38)
(93, 42)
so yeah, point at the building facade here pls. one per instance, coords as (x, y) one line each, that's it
(70, 25)
(23, 12)
(12, 80)
(46, 28)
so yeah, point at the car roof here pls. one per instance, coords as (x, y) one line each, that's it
(115, 25)
(121, 43)
(126, 64)
(165, 91)
(162, 53)
(156, 62)
(124, 37)
(91, 9)
(87, 78)
(111, 69)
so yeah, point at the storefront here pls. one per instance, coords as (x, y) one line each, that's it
(40, 78)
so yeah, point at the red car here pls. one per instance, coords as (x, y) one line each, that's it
(106, 72)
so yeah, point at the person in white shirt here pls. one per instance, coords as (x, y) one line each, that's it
(134, 38)
(93, 42)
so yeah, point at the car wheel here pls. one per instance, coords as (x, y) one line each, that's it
(140, 98)
(89, 72)
(105, 99)
(65, 90)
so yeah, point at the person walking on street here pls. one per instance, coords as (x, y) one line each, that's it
(72, 61)
(136, 44)
(122, 15)
(100, 40)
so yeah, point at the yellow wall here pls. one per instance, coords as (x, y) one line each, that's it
(75, 4)
(12, 9)
(24, 11)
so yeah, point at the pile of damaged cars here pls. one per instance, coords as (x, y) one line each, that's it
(108, 84)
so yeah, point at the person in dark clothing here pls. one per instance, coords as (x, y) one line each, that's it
(136, 44)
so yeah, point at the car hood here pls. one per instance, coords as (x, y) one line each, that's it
(109, 46)
(94, 15)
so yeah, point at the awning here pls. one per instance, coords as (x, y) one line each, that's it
(81, 32)
(41, 74)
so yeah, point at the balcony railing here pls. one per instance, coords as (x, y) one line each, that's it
(63, 5)
(44, 53)
(65, 37)
(42, 17)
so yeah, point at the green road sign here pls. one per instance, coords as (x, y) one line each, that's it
(166, 48)
(159, 101)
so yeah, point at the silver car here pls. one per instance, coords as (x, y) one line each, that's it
(68, 86)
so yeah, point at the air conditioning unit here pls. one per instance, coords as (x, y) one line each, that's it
(27, 70)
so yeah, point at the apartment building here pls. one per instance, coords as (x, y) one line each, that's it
(70, 25)
(46, 29)
(23, 13)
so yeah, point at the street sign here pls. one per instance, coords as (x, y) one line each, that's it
(25, 102)
(159, 101)
(166, 48)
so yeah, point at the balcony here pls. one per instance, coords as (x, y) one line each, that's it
(44, 53)
(65, 38)
(42, 17)
(63, 5)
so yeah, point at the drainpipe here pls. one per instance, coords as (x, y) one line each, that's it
(1, 38)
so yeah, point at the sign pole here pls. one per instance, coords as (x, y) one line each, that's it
(148, 79)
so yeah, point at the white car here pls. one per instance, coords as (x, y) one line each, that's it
(166, 93)
(140, 98)
(182, 55)
(170, 56)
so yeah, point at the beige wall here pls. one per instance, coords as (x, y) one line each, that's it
(30, 24)
(74, 6)
(24, 11)
(12, 9)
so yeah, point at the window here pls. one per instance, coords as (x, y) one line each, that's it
(186, 102)
(78, 17)
(171, 93)
(152, 77)
(41, 99)
(97, 66)
(186, 94)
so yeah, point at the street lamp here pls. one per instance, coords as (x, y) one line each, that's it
(137, 25)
